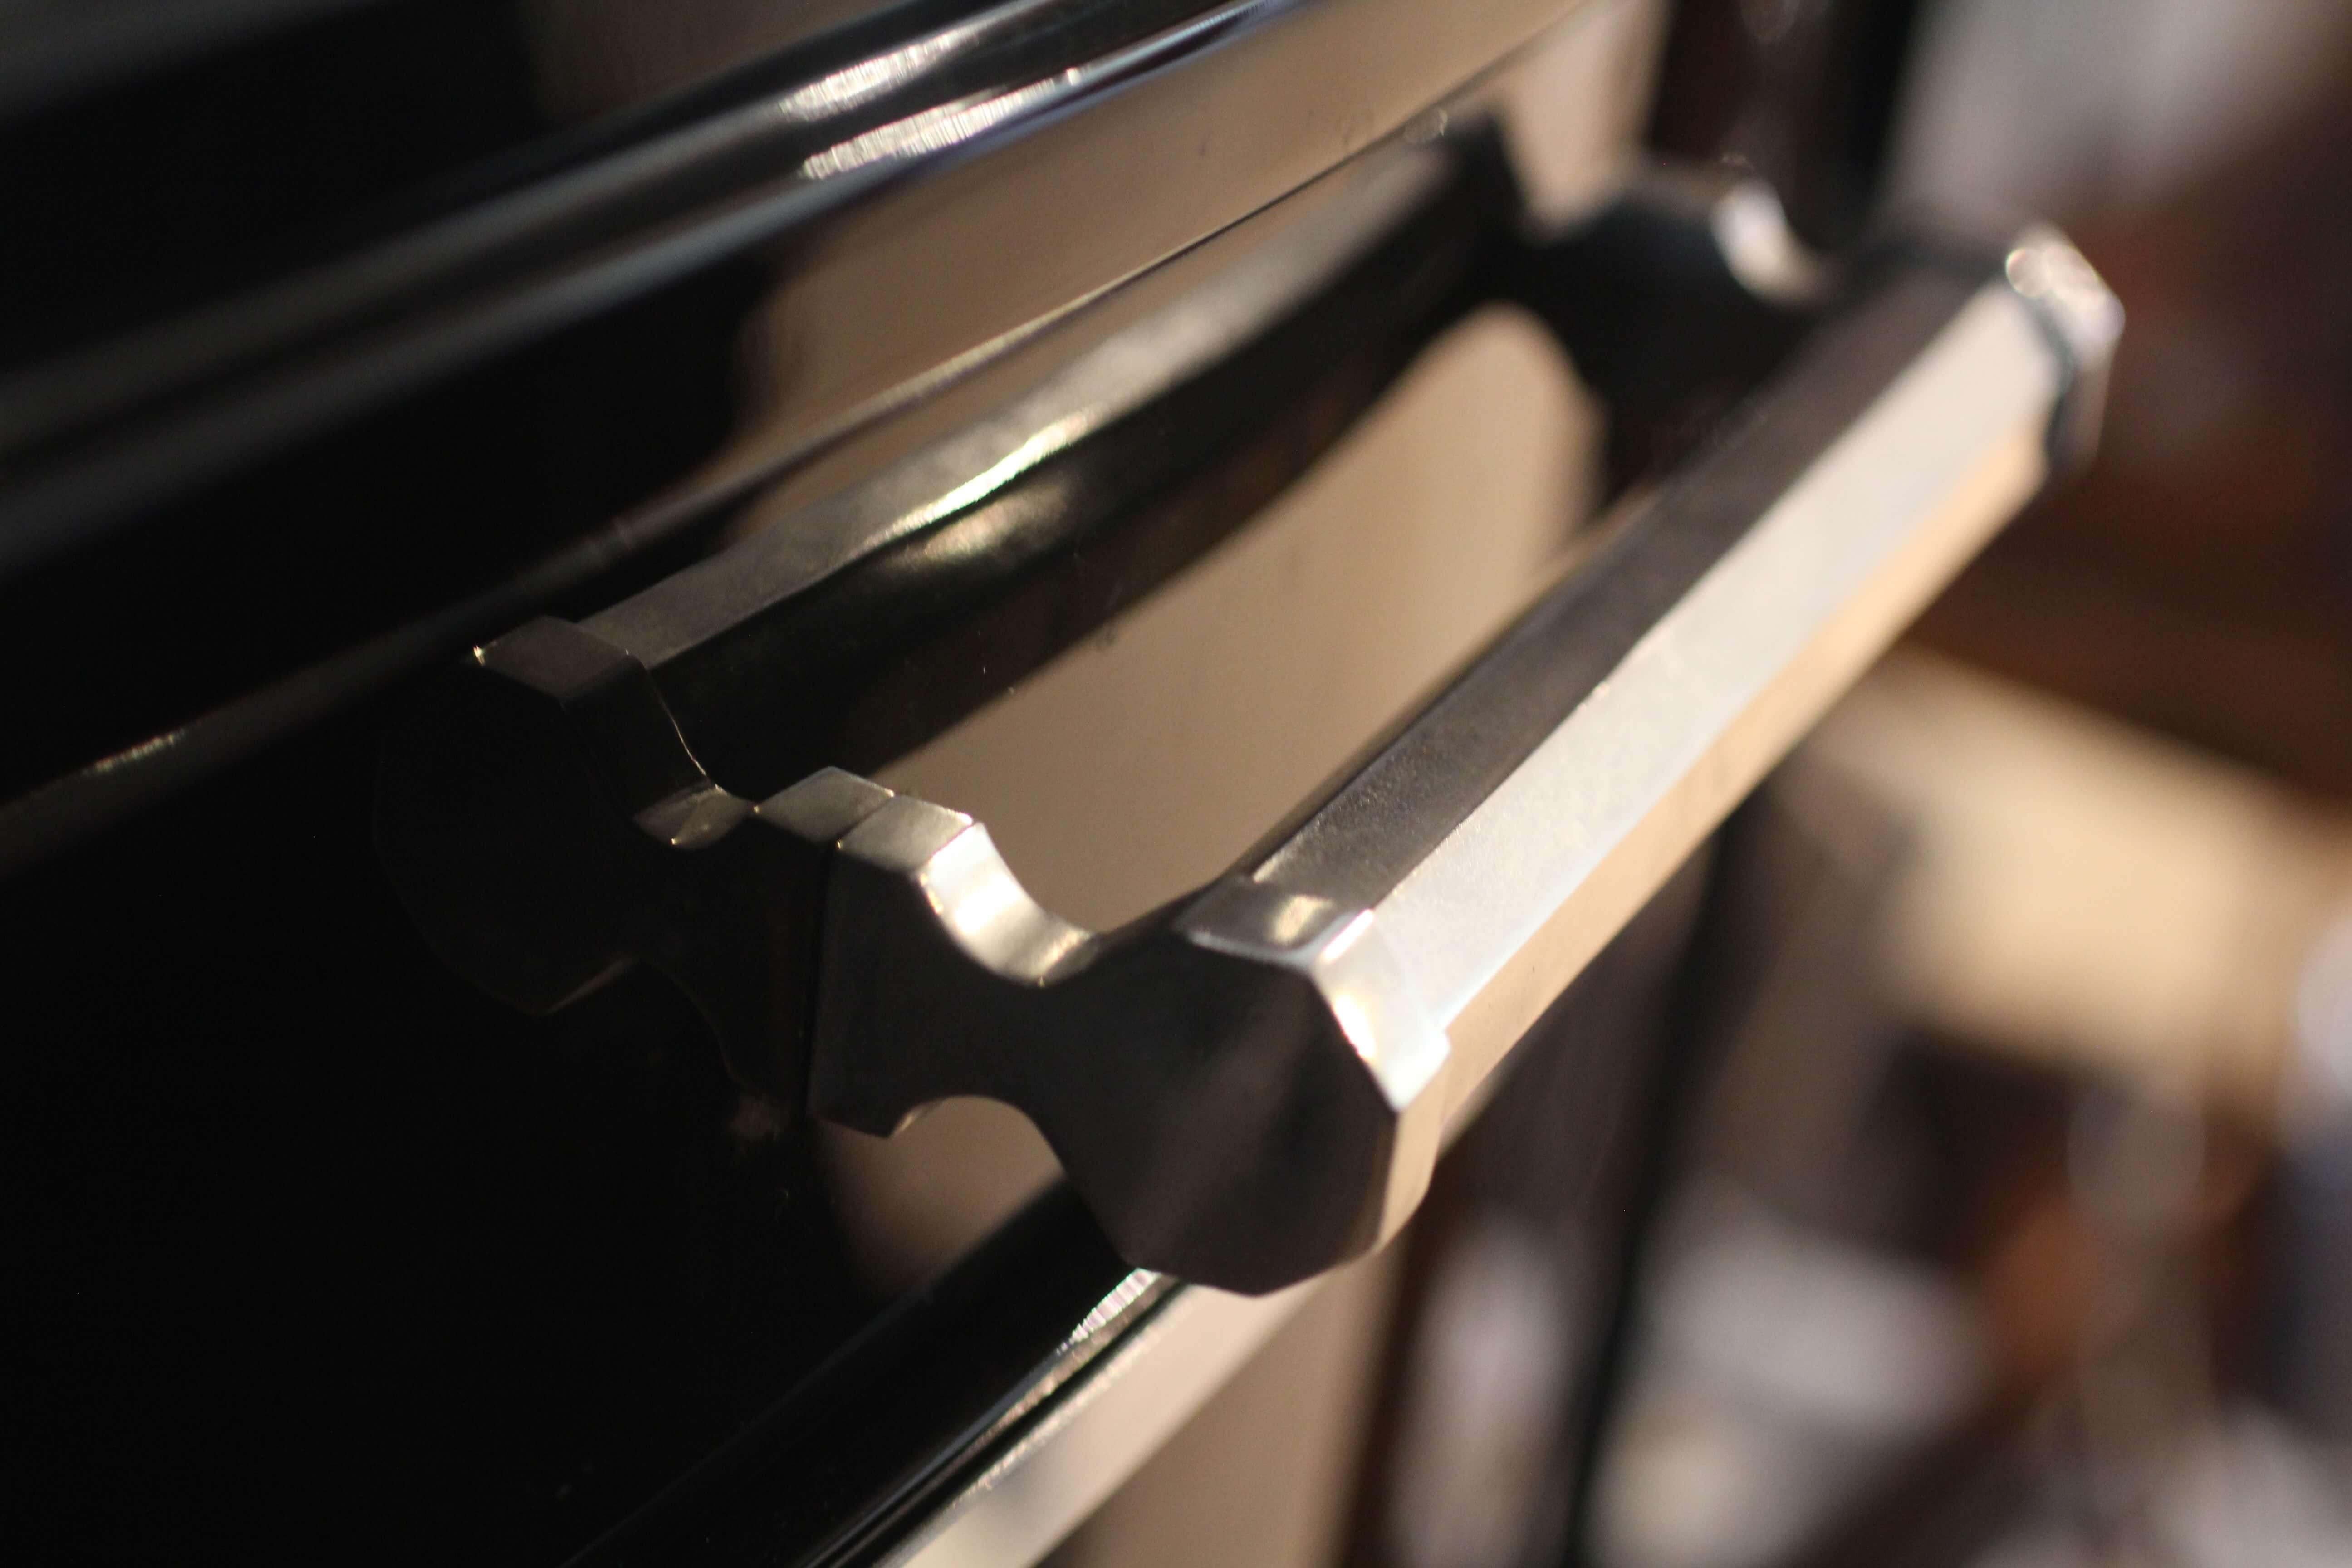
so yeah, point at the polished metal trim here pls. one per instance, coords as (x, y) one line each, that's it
(1101, 1430)
(1529, 887)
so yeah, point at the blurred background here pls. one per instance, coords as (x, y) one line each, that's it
(1998, 1208)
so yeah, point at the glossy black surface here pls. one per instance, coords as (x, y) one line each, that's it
(316, 1252)
(151, 139)
(858, 668)
(323, 1253)
(330, 1253)
(275, 497)
(915, 1407)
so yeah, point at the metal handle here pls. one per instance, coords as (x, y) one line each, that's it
(1252, 1083)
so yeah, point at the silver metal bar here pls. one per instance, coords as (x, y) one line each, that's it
(1252, 1084)
(1548, 867)
(1256, 1086)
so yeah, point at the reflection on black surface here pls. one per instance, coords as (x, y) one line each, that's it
(333, 1254)
(218, 525)
(159, 154)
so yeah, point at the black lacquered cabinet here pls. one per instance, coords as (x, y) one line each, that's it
(528, 534)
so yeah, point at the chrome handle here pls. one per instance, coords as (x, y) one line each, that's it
(1252, 1084)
